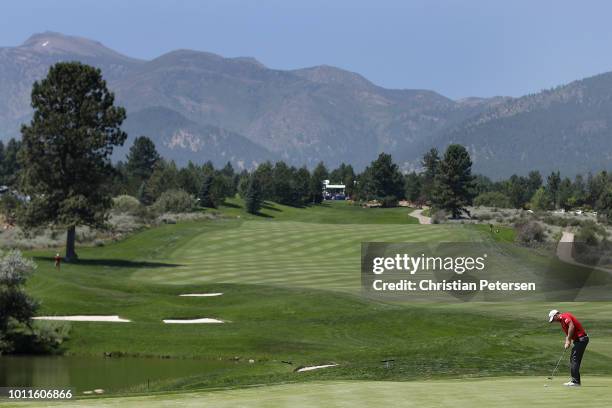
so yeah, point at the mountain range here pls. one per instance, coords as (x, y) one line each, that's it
(200, 106)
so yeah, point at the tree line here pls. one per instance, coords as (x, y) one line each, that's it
(63, 163)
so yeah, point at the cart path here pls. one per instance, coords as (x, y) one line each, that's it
(418, 214)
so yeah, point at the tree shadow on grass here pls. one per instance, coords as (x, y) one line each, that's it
(231, 205)
(115, 263)
(270, 207)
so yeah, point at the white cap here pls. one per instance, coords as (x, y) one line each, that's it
(552, 314)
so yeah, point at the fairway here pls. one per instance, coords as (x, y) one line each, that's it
(468, 393)
(297, 254)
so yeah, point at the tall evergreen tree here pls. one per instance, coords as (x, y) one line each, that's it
(319, 174)
(382, 179)
(254, 196)
(301, 184)
(190, 178)
(206, 195)
(283, 184)
(10, 165)
(534, 182)
(264, 173)
(67, 148)
(413, 187)
(564, 196)
(552, 187)
(213, 190)
(164, 178)
(142, 158)
(431, 165)
(454, 181)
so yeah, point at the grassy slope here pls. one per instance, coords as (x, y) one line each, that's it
(475, 393)
(272, 274)
(329, 212)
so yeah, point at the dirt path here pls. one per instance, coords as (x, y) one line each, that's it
(418, 214)
(565, 247)
(565, 252)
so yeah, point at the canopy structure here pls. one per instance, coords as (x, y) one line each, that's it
(330, 191)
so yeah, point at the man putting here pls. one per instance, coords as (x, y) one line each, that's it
(574, 332)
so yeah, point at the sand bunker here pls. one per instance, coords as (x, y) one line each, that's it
(201, 294)
(193, 321)
(85, 318)
(301, 370)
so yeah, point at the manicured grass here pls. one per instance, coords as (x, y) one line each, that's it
(329, 212)
(288, 253)
(291, 292)
(505, 392)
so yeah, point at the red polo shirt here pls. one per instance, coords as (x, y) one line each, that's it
(565, 319)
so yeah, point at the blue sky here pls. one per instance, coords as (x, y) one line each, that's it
(457, 48)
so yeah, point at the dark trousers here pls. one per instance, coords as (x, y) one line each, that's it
(576, 357)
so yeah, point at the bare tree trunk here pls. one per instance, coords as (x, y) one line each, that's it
(70, 238)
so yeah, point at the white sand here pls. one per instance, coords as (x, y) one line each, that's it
(85, 318)
(193, 321)
(301, 370)
(201, 294)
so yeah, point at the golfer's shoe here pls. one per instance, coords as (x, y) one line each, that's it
(572, 384)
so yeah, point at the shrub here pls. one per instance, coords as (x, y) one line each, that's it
(590, 232)
(126, 204)
(438, 217)
(529, 232)
(16, 307)
(175, 201)
(9, 206)
(492, 199)
(389, 202)
(555, 220)
(40, 337)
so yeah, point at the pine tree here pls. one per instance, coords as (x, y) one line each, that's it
(213, 190)
(319, 174)
(454, 181)
(142, 158)
(431, 165)
(553, 183)
(254, 196)
(413, 187)
(67, 148)
(205, 194)
(382, 180)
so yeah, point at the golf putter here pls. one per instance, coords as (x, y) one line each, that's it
(552, 375)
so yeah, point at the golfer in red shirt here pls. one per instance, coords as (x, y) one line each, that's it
(58, 261)
(574, 333)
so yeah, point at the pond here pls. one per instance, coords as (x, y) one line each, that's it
(113, 375)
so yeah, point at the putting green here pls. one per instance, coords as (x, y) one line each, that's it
(508, 392)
